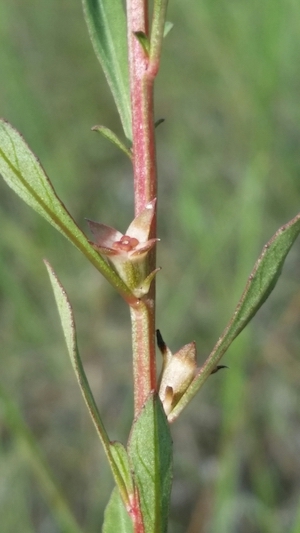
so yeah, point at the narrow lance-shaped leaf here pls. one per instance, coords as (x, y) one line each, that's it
(150, 454)
(158, 28)
(260, 284)
(23, 172)
(107, 28)
(115, 452)
(106, 132)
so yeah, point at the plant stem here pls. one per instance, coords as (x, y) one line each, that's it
(141, 91)
(143, 346)
(145, 190)
(143, 69)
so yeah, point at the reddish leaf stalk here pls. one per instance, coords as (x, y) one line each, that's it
(142, 77)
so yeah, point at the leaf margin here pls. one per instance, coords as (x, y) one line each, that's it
(15, 158)
(291, 230)
(155, 509)
(115, 451)
(112, 54)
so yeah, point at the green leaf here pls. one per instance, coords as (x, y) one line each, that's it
(150, 453)
(115, 452)
(260, 284)
(168, 27)
(108, 134)
(158, 29)
(143, 40)
(116, 518)
(23, 172)
(121, 460)
(107, 28)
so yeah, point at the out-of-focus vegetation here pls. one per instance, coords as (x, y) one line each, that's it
(229, 169)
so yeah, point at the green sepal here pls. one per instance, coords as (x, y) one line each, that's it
(115, 451)
(22, 171)
(106, 23)
(108, 134)
(116, 518)
(260, 284)
(150, 456)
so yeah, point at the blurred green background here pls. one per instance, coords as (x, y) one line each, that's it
(229, 167)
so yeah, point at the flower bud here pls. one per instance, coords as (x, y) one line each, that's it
(128, 253)
(177, 373)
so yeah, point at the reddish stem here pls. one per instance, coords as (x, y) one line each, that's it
(143, 345)
(145, 187)
(141, 90)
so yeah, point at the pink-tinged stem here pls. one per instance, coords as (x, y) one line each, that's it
(141, 90)
(145, 187)
(143, 344)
